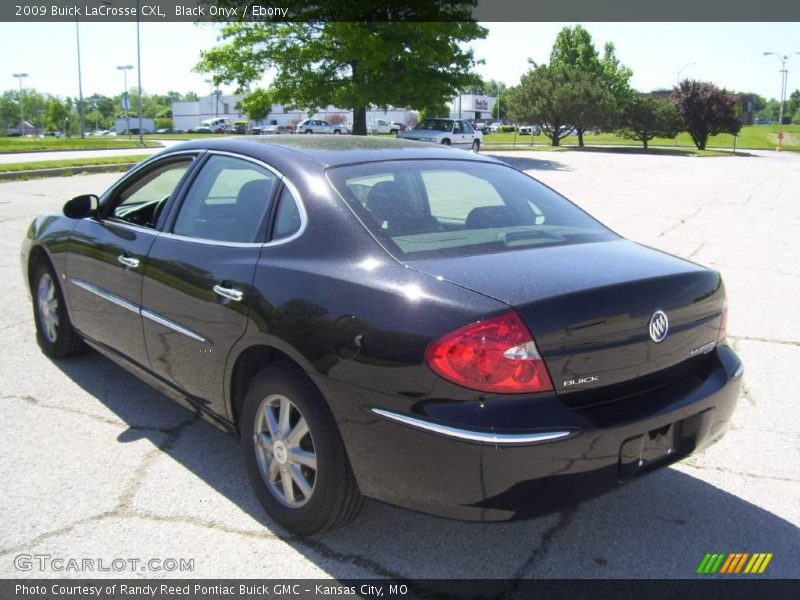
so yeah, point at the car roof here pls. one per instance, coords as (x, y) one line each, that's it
(330, 151)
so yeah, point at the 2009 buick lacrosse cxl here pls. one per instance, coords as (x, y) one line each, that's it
(390, 319)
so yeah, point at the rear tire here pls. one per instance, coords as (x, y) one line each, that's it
(308, 131)
(54, 332)
(445, 142)
(294, 455)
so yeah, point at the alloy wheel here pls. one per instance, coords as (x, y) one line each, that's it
(285, 451)
(47, 304)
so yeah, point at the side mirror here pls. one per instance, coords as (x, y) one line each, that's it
(81, 207)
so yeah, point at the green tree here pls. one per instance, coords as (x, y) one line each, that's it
(57, 114)
(574, 50)
(354, 61)
(257, 104)
(646, 118)
(706, 110)
(548, 97)
(770, 111)
(793, 103)
(189, 97)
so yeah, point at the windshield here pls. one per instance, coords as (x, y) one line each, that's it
(434, 208)
(436, 124)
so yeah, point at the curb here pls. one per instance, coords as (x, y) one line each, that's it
(64, 171)
(157, 144)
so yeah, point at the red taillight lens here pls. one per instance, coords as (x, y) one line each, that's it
(495, 355)
(723, 322)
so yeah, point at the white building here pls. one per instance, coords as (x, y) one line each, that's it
(188, 115)
(473, 107)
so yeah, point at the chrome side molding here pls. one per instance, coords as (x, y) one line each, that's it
(482, 437)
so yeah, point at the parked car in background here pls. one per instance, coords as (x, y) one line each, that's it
(388, 319)
(386, 127)
(496, 127)
(450, 132)
(217, 124)
(529, 130)
(165, 130)
(277, 130)
(201, 129)
(318, 126)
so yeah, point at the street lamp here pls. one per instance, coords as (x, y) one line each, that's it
(682, 69)
(784, 73)
(20, 76)
(125, 101)
(80, 82)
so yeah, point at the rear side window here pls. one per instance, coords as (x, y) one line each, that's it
(228, 202)
(287, 217)
(434, 208)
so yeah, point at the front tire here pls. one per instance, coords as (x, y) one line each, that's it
(476, 146)
(54, 332)
(445, 142)
(294, 455)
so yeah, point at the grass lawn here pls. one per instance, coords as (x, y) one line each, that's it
(75, 162)
(20, 144)
(752, 137)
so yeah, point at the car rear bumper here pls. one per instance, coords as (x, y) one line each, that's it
(405, 455)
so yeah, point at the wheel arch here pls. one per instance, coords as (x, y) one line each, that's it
(38, 254)
(247, 364)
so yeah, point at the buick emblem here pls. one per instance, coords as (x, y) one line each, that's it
(659, 325)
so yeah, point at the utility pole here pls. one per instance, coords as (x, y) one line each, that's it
(784, 80)
(21, 76)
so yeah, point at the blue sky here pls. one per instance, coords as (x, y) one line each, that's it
(729, 54)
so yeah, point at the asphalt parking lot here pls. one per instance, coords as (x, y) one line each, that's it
(96, 464)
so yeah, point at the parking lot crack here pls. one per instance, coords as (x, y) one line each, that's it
(172, 435)
(565, 519)
(40, 404)
(740, 473)
(750, 338)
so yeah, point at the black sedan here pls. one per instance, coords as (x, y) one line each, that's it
(390, 319)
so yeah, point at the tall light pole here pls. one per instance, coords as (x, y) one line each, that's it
(681, 70)
(126, 104)
(784, 75)
(21, 76)
(139, 74)
(210, 93)
(80, 83)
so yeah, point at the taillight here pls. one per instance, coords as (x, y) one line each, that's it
(723, 322)
(494, 355)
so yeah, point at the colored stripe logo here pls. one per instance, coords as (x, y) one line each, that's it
(734, 562)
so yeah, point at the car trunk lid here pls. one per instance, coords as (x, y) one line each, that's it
(589, 307)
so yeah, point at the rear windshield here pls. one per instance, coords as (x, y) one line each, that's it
(436, 208)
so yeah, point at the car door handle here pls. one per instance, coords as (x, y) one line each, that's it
(229, 293)
(128, 261)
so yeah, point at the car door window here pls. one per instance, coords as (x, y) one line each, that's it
(228, 202)
(141, 202)
(468, 128)
(457, 127)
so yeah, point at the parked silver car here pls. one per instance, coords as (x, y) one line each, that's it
(319, 126)
(450, 132)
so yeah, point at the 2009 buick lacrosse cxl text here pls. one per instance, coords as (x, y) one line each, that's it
(390, 319)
